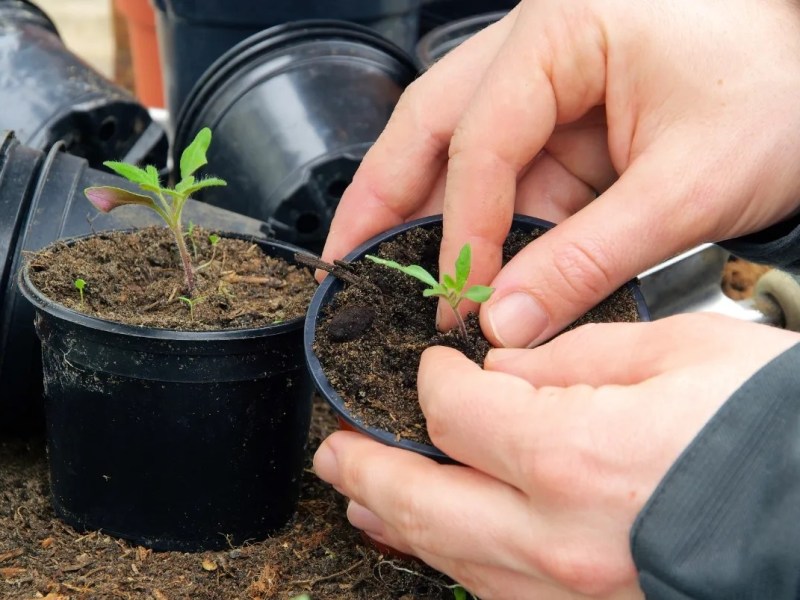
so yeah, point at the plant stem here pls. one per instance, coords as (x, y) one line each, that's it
(185, 259)
(461, 326)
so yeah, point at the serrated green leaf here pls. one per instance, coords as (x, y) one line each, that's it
(437, 290)
(184, 184)
(414, 271)
(107, 198)
(449, 281)
(204, 183)
(130, 172)
(479, 293)
(463, 265)
(194, 156)
(152, 173)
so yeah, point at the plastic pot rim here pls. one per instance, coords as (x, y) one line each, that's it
(426, 45)
(222, 71)
(59, 311)
(331, 285)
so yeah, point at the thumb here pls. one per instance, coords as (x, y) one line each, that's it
(580, 262)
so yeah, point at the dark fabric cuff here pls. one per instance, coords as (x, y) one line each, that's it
(778, 245)
(725, 520)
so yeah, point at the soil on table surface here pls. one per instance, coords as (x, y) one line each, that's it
(318, 553)
(370, 338)
(739, 277)
(136, 278)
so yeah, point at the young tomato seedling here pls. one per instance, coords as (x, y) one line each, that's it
(167, 202)
(450, 288)
(79, 285)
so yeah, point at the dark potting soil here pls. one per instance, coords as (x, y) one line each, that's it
(136, 278)
(317, 553)
(370, 337)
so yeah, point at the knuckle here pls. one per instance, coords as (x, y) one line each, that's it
(408, 519)
(583, 267)
(587, 569)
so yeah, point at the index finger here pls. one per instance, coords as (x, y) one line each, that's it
(508, 122)
(399, 171)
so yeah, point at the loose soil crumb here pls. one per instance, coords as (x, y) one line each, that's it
(371, 336)
(739, 277)
(136, 278)
(318, 553)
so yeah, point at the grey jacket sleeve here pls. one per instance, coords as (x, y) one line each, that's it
(724, 523)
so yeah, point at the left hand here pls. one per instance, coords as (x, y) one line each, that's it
(562, 445)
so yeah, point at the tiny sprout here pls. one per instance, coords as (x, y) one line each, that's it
(451, 289)
(167, 202)
(460, 593)
(79, 285)
(190, 302)
(213, 239)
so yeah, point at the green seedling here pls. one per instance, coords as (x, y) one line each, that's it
(213, 239)
(79, 285)
(450, 288)
(459, 593)
(191, 302)
(167, 202)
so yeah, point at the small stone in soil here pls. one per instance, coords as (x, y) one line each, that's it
(350, 323)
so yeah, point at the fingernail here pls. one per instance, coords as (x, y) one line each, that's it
(517, 320)
(363, 518)
(325, 464)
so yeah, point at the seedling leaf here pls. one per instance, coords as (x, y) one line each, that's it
(183, 185)
(448, 281)
(129, 172)
(414, 271)
(463, 263)
(479, 293)
(106, 198)
(194, 156)
(203, 183)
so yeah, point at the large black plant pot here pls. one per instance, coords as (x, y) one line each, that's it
(293, 110)
(331, 286)
(221, 24)
(176, 440)
(41, 200)
(49, 95)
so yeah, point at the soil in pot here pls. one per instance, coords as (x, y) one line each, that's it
(371, 336)
(136, 278)
(318, 552)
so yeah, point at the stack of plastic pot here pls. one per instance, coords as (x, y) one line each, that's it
(192, 34)
(439, 41)
(49, 95)
(294, 109)
(41, 200)
(435, 13)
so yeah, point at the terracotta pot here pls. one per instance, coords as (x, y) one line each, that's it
(144, 47)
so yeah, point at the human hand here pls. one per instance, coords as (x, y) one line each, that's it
(693, 102)
(562, 446)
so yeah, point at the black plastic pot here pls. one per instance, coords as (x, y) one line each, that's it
(221, 24)
(41, 200)
(293, 110)
(438, 42)
(331, 286)
(176, 440)
(435, 13)
(48, 94)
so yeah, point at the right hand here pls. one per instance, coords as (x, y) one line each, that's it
(692, 102)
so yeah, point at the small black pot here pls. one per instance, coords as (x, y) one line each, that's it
(293, 110)
(221, 24)
(48, 94)
(176, 440)
(438, 42)
(331, 286)
(41, 201)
